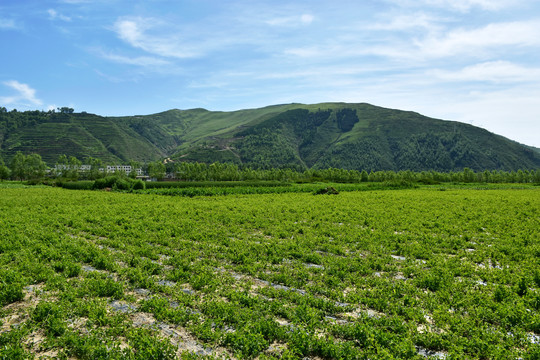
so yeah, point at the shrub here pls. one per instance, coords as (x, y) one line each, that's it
(106, 182)
(138, 185)
(326, 191)
(119, 183)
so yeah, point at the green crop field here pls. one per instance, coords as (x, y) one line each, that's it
(381, 274)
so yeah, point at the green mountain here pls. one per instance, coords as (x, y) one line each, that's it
(350, 136)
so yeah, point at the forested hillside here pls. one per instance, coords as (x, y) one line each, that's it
(340, 135)
(51, 134)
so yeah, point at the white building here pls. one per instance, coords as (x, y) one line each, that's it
(123, 168)
(60, 167)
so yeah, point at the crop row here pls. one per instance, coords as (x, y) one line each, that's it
(400, 274)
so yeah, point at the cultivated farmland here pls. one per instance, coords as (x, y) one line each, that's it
(409, 273)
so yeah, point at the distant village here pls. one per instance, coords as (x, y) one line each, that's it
(109, 169)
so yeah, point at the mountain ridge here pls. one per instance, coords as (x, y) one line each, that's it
(345, 135)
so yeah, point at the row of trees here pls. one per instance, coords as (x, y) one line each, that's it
(23, 167)
(31, 167)
(231, 172)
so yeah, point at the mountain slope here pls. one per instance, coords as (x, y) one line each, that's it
(80, 135)
(351, 136)
(360, 136)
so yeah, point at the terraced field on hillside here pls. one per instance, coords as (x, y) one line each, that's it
(374, 274)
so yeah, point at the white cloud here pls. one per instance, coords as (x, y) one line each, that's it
(486, 42)
(492, 71)
(460, 5)
(25, 94)
(477, 41)
(53, 15)
(135, 32)
(7, 24)
(467, 5)
(138, 61)
(410, 21)
(304, 19)
(511, 112)
(307, 19)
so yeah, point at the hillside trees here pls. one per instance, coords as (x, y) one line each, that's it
(156, 169)
(134, 166)
(66, 110)
(68, 168)
(27, 167)
(4, 170)
(34, 167)
(95, 165)
(17, 166)
(74, 166)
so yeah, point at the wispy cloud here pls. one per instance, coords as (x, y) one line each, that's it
(467, 5)
(137, 33)
(488, 42)
(417, 20)
(143, 61)
(492, 71)
(25, 95)
(459, 5)
(476, 41)
(55, 15)
(304, 19)
(7, 24)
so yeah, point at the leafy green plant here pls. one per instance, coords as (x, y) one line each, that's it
(49, 316)
(10, 287)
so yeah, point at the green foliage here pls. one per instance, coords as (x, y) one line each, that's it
(114, 182)
(145, 346)
(156, 170)
(366, 274)
(77, 185)
(50, 317)
(501, 293)
(326, 191)
(17, 166)
(522, 287)
(246, 344)
(29, 167)
(10, 287)
(102, 288)
(4, 170)
(14, 352)
(329, 135)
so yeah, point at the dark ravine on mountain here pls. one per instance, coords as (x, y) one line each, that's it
(349, 136)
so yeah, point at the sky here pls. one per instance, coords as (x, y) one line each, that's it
(474, 61)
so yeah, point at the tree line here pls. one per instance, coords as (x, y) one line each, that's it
(193, 171)
(32, 167)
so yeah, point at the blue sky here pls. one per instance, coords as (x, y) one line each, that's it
(475, 61)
